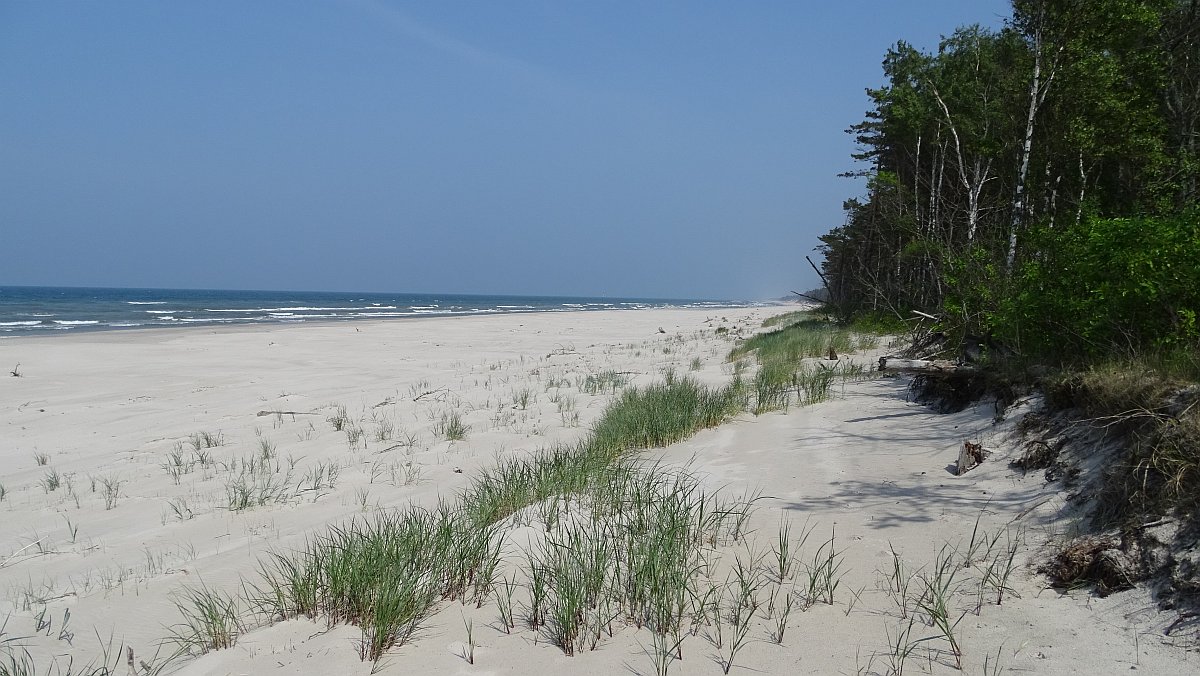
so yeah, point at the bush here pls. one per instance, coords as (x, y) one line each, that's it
(1106, 286)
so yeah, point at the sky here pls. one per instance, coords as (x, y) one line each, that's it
(645, 149)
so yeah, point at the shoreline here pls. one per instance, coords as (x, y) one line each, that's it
(269, 326)
(327, 321)
(53, 311)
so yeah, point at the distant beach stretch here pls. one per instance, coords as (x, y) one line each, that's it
(31, 309)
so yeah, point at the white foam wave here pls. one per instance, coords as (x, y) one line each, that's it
(300, 308)
(146, 302)
(76, 322)
(19, 323)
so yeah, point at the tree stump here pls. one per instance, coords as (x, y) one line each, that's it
(970, 456)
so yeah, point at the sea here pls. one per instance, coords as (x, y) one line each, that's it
(34, 310)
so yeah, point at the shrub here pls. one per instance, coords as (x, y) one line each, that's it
(1107, 286)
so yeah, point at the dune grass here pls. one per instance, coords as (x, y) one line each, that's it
(1154, 406)
(625, 540)
(802, 338)
(631, 548)
(387, 574)
(784, 376)
(211, 621)
(451, 426)
(786, 319)
(605, 382)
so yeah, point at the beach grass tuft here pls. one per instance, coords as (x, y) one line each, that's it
(605, 382)
(451, 426)
(212, 620)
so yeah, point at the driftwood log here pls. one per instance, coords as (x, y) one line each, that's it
(924, 366)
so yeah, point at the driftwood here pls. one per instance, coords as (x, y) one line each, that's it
(438, 394)
(923, 366)
(970, 456)
(263, 413)
(808, 297)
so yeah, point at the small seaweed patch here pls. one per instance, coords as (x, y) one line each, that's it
(1092, 560)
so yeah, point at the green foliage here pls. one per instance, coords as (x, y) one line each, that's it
(879, 323)
(1107, 286)
(1027, 146)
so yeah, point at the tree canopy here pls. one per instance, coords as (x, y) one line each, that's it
(1035, 181)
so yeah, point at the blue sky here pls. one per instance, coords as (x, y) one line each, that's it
(667, 149)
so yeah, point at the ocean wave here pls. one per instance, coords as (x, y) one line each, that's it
(300, 308)
(262, 308)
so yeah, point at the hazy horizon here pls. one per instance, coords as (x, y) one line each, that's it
(496, 294)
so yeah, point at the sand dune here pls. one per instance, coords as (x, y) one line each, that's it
(125, 461)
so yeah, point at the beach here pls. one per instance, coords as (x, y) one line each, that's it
(124, 460)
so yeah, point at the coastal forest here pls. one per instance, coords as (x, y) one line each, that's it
(1032, 207)
(1036, 184)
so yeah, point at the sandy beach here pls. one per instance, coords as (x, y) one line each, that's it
(119, 465)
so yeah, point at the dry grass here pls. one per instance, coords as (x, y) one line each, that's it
(1156, 415)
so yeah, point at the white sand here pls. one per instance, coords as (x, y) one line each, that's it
(112, 406)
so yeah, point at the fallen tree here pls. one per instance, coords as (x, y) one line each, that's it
(924, 366)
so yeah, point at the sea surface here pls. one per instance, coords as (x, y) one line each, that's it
(28, 310)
